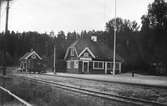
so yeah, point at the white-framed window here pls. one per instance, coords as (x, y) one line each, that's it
(76, 64)
(86, 54)
(109, 65)
(33, 56)
(98, 65)
(72, 51)
(68, 64)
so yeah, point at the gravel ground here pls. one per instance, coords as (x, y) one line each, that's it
(141, 92)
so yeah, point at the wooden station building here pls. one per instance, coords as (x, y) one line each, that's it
(90, 56)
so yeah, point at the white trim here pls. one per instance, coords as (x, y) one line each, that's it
(120, 65)
(76, 64)
(83, 66)
(72, 52)
(68, 64)
(118, 68)
(88, 51)
(32, 54)
(76, 51)
(67, 52)
(109, 68)
(105, 67)
(86, 59)
(98, 62)
(88, 67)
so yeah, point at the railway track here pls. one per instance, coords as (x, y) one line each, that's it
(145, 85)
(20, 101)
(118, 98)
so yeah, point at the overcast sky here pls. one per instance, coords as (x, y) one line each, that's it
(70, 15)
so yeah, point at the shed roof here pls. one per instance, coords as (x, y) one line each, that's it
(28, 54)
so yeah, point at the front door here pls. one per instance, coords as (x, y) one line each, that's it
(85, 67)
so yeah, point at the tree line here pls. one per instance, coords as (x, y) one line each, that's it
(139, 46)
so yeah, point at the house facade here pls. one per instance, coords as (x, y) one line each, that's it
(90, 56)
(29, 61)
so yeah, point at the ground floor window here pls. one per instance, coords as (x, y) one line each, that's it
(68, 64)
(98, 65)
(76, 64)
(72, 64)
(109, 65)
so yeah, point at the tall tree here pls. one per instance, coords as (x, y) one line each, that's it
(154, 31)
(127, 42)
(156, 18)
(122, 25)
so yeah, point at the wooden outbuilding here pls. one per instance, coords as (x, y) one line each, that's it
(29, 61)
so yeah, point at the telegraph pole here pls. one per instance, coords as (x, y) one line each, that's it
(54, 60)
(1, 2)
(115, 32)
(6, 32)
(7, 17)
(0, 13)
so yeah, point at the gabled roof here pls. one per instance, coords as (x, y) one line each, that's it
(28, 54)
(99, 50)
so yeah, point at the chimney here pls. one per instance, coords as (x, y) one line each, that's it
(31, 50)
(52, 33)
(94, 38)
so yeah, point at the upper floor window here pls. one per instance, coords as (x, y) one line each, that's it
(86, 54)
(72, 51)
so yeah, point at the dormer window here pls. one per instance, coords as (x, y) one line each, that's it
(72, 51)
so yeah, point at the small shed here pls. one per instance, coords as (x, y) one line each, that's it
(29, 61)
(91, 56)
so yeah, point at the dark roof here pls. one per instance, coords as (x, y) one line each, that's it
(100, 50)
(26, 55)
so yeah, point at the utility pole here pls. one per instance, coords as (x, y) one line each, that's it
(1, 2)
(115, 32)
(0, 13)
(7, 17)
(54, 60)
(6, 32)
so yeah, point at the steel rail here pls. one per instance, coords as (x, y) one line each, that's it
(16, 97)
(124, 99)
(89, 79)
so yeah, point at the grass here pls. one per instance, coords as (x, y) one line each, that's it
(42, 95)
